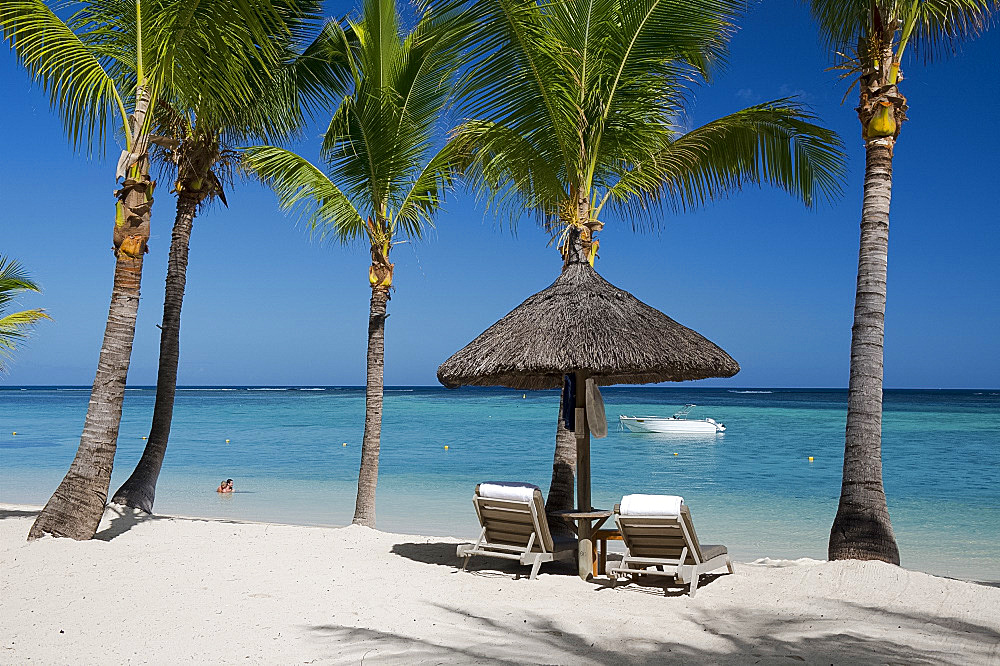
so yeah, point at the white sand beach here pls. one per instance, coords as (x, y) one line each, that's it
(183, 590)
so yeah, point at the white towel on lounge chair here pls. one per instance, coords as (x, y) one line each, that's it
(651, 505)
(507, 490)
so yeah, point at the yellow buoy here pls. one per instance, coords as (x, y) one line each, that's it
(227, 441)
(810, 458)
(144, 437)
(345, 443)
(13, 434)
(524, 395)
(675, 454)
(445, 447)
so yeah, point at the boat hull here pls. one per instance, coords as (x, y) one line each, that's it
(668, 425)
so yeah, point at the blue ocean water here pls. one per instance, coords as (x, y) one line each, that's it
(294, 454)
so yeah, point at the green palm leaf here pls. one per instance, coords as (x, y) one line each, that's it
(379, 150)
(13, 279)
(73, 71)
(304, 189)
(17, 325)
(577, 102)
(509, 171)
(428, 189)
(935, 27)
(772, 143)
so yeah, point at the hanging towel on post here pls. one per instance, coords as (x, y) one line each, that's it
(569, 402)
(595, 410)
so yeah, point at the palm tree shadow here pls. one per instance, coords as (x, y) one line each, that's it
(746, 635)
(120, 520)
(18, 513)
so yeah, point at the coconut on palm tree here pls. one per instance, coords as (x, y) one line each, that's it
(871, 37)
(104, 66)
(15, 326)
(578, 116)
(195, 140)
(384, 175)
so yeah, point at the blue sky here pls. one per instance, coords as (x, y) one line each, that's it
(766, 279)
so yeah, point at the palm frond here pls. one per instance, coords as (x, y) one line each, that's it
(841, 22)
(941, 26)
(582, 99)
(17, 325)
(320, 71)
(509, 171)
(774, 143)
(524, 79)
(68, 68)
(655, 34)
(13, 279)
(380, 141)
(427, 192)
(304, 189)
(936, 28)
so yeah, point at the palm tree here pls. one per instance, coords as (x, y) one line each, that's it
(579, 109)
(195, 142)
(870, 38)
(107, 63)
(14, 326)
(385, 178)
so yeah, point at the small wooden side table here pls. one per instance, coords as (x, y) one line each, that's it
(601, 538)
(586, 545)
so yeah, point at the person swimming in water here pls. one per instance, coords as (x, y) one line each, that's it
(225, 487)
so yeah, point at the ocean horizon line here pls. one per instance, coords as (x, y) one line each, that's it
(390, 387)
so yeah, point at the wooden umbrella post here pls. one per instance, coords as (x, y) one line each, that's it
(585, 549)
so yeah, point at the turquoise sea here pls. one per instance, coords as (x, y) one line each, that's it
(752, 488)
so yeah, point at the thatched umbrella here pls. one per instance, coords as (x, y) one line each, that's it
(584, 325)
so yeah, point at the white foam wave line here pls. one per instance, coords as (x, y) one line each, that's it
(207, 389)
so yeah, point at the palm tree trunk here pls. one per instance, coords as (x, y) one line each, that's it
(563, 473)
(76, 507)
(364, 510)
(861, 529)
(139, 491)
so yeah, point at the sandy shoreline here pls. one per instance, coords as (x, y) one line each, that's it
(169, 590)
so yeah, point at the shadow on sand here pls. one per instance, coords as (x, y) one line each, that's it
(120, 519)
(745, 636)
(443, 554)
(18, 513)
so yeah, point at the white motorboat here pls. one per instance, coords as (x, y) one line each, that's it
(678, 423)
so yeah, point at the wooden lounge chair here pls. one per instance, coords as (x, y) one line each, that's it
(664, 544)
(514, 525)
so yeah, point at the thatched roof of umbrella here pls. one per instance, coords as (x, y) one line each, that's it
(582, 322)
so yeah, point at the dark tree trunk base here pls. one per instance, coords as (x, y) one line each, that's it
(855, 536)
(139, 491)
(560, 496)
